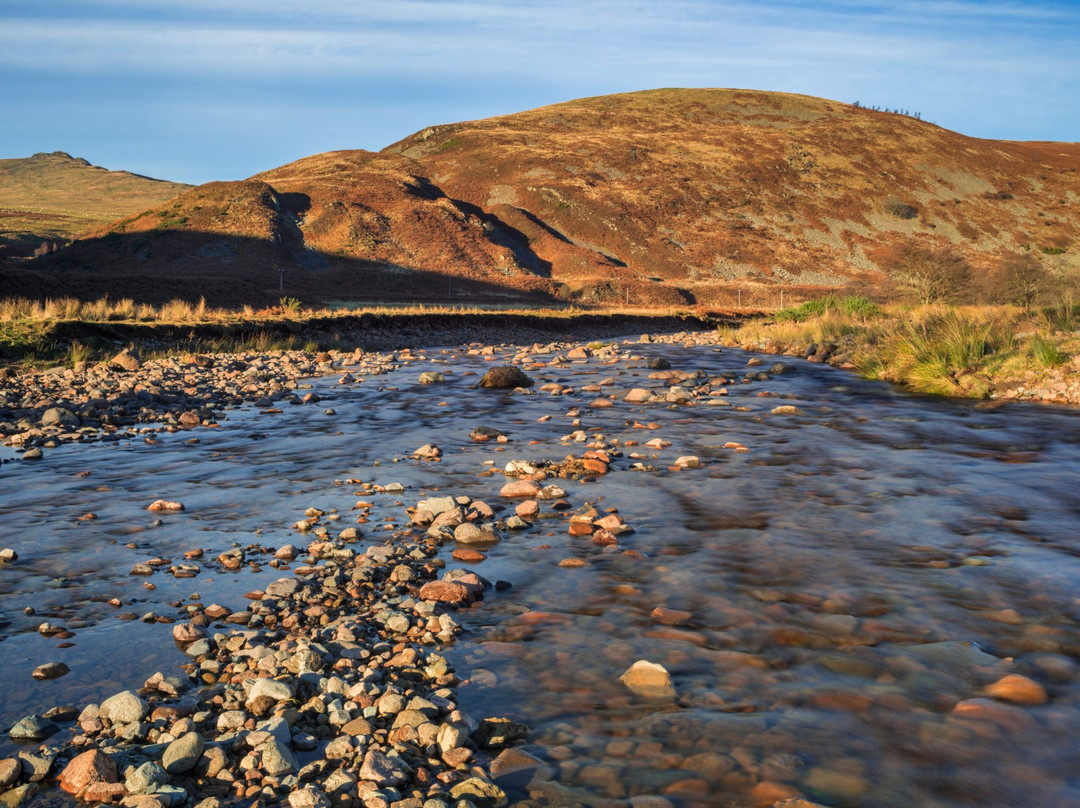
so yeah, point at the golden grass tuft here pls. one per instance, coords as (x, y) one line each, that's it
(943, 350)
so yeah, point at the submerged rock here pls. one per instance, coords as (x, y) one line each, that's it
(649, 680)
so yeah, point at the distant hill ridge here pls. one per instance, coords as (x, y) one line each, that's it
(661, 197)
(53, 197)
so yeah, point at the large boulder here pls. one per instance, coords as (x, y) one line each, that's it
(505, 376)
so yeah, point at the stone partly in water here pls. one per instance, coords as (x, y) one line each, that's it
(505, 376)
(50, 670)
(33, 728)
(649, 680)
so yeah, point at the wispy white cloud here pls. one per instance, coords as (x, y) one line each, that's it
(365, 73)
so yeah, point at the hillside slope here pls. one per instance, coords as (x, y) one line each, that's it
(55, 197)
(658, 197)
(705, 186)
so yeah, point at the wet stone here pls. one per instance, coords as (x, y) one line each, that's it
(50, 670)
(33, 728)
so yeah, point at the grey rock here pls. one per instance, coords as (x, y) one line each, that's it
(124, 708)
(649, 680)
(33, 728)
(183, 753)
(308, 797)
(59, 416)
(383, 770)
(18, 796)
(277, 759)
(146, 779)
(283, 587)
(278, 691)
(36, 765)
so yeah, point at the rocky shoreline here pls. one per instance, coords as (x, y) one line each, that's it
(329, 687)
(109, 400)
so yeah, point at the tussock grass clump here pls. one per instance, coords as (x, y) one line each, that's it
(938, 349)
(851, 306)
(933, 353)
(1046, 353)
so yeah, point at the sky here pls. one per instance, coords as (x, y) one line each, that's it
(200, 90)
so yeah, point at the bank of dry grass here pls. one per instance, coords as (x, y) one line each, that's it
(948, 350)
(68, 331)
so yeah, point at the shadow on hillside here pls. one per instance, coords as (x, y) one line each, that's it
(229, 271)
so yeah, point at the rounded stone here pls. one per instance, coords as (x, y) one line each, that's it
(183, 753)
(124, 708)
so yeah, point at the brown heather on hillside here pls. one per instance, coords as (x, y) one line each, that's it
(661, 197)
(55, 197)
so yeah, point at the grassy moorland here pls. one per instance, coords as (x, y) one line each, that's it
(970, 351)
(54, 197)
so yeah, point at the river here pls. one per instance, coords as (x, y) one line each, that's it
(851, 584)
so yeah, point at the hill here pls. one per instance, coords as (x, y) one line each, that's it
(665, 196)
(55, 197)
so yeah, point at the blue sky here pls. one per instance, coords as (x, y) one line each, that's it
(221, 89)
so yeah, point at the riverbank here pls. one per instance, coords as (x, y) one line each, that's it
(164, 383)
(34, 335)
(996, 353)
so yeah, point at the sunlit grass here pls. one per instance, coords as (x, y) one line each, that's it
(944, 350)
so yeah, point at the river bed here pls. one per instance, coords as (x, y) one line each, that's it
(851, 584)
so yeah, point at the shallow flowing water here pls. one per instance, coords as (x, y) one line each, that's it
(873, 561)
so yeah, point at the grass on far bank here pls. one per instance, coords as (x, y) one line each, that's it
(947, 350)
(28, 328)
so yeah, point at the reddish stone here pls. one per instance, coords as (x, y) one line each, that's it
(186, 633)
(1018, 689)
(445, 592)
(594, 464)
(767, 793)
(841, 700)
(527, 509)
(678, 635)
(520, 488)
(91, 767)
(104, 792)
(1005, 716)
(604, 538)
(164, 505)
(612, 522)
(670, 617)
(467, 554)
(581, 526)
